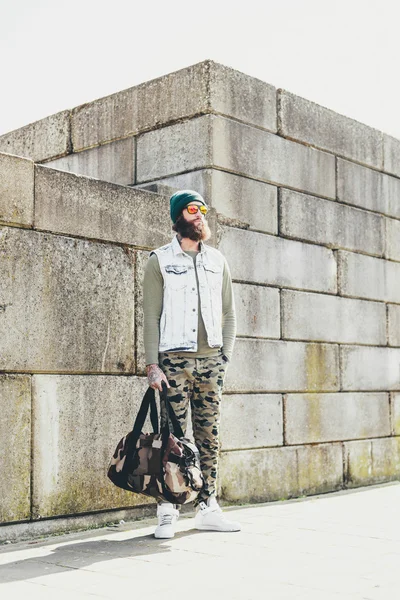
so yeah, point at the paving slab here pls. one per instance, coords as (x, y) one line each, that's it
(336, 546)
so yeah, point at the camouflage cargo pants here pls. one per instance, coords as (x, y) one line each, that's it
(198, 381)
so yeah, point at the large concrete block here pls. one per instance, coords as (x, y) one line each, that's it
(311, 418)
(251, 421)
(271, 260)
(367, 277)
(257, 310)
(391, 155)
(242, 97)
(368, 188)
(175, 149)
(275, 366)
(67, 304)
(259, 475)
(77, 423)
(329, 223)
(238, 200)
(308, 122)
(392, 238)
(371, 461)
(279, 473)
(368, 368)
(394, 324)
(42, 140)
(113, 162)
(264, 156)
(16, 190)
(215, 141)
(169, 98)
(15, 447)
(325, 318)
(76, 205)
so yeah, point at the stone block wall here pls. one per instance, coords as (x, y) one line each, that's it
(306, 208)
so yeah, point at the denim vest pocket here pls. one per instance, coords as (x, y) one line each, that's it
(214, 275)
(176, 276)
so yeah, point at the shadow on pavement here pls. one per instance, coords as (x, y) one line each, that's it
(69, 557)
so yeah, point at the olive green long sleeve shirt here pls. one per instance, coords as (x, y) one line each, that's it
(153, 292)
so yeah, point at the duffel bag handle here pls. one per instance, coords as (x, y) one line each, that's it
(149, 400)
(171, 413)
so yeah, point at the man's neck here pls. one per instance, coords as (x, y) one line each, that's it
(188, 245)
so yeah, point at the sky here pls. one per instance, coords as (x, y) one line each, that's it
(58, 54)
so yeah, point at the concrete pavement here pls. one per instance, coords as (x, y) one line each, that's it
(339, 546)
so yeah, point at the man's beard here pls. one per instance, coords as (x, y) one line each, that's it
(194, 231)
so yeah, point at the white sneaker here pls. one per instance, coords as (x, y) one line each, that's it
(209, 517)
(167, 516)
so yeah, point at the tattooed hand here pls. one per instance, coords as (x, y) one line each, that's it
(155, 376)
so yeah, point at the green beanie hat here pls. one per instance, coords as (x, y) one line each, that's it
(180, 199)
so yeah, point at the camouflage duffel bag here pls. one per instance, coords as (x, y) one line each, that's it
(163, 464)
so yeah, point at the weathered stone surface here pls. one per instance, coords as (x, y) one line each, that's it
(77, 423)
(391, 155)
(368, 368)
(242, 97)
(15, 447)
(311, 418)
(393, 239)
(67, 304)
(16, 190)
(251, 421)
(368, 188)
(174, 149)
(275, 366)
(141, 261)
(278, 473)
(272, 260)
(367, 277)
(44, 139)
(259, 475)
(216, 141)
(308, 122)
(329, 223)
(77, 205)
(371, 461)
(320, 468)
(257, 310)
(174, 96)
(320, 317)
(113, 162)
(394, 324)
(251, 203)
(395, 403)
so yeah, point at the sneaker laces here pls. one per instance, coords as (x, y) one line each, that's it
(166, 519)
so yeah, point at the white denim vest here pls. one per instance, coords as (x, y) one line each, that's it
(179, 317)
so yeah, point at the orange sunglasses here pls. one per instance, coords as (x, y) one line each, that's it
(193, 208)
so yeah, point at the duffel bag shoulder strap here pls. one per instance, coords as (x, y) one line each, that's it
(177, 429)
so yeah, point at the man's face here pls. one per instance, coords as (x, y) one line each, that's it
(193, 226)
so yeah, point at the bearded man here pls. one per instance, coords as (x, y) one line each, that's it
(189, 334)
